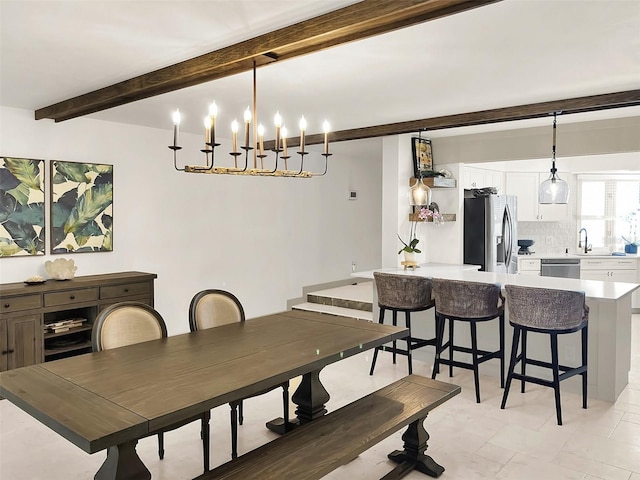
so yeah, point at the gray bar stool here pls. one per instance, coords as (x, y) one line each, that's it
(553, 312)
(402, 293)
(470, 302)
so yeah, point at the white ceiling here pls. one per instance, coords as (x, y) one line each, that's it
(509, 53)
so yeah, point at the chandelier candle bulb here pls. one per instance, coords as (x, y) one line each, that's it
(261, 138)
(277, 120)
(234, 136)
(283, 133)
(326, 128)
(176, 124)
(303, 127)
(207, 130)
(213, 112)
(247, 123)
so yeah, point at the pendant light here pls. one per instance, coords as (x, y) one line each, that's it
(553, 189)
(419, 193)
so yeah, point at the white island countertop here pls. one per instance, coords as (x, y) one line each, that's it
(594, 289)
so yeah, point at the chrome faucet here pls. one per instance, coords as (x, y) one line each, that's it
(586, 242)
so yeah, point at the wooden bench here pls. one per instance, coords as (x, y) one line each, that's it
(316, 448)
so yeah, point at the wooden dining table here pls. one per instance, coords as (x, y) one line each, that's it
(110, 399)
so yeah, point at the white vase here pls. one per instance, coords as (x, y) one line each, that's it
(410, 257)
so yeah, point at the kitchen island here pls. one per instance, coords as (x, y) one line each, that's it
(609, 356)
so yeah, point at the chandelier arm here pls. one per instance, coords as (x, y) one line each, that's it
(175, 149)
(326, 158)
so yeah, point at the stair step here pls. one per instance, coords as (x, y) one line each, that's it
(334, 310)
(353, 297)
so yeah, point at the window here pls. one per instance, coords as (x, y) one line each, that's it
(609, 208)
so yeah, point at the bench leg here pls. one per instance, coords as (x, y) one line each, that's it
(413, 456)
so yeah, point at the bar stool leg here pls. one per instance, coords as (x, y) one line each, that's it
(512, 364)
(474, 354)
(523, 365)
(438, 347)
(407, 316)
(395, 324)
(501, 320)
(450, 347)
(377, 349)
(584, 363)
(556, 375)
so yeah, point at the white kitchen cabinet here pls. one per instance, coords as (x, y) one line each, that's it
(528, 266)
(612, 270)
(473, 177)
(525, 186)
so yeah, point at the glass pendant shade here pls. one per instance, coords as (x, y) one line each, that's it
(553, 190)
(419, 194)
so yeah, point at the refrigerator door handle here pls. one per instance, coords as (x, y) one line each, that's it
(507, 226)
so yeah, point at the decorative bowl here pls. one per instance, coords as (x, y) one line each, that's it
(60, 269)
(525, 243)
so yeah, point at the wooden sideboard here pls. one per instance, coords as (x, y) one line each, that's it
(28, 311)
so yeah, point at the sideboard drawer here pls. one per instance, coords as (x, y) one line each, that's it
(16, 304)
(70, 297)
(125, 290)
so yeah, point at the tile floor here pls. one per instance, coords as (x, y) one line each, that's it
(472, 441)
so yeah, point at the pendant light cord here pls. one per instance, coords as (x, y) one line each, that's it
(553, 148)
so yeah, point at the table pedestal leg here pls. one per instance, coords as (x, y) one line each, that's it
(310, 396)
(123, 463)
(413, 456)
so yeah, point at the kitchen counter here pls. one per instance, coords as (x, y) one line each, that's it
(578, 255)
(609, 347)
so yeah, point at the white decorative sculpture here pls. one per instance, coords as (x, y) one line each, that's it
(60, 269)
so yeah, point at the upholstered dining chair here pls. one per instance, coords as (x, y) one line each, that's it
(551, 312)
(213, 308)
(128, 323)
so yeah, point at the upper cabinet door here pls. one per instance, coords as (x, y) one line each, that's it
(525, 186)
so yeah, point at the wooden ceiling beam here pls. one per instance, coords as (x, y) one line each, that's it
(354, 22)
(629, 98)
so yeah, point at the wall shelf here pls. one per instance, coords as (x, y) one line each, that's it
(448, 217)
(435, 182)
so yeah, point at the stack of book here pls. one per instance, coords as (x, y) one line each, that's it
(64, 325)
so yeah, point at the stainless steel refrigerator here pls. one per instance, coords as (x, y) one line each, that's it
(490, 238)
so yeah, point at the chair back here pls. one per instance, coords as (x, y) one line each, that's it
(403, 292)
(546, 309)
(467, 299)
(126, 323)
(212, 308)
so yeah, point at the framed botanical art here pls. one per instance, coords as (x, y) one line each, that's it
(22, 231)
(422, 157)
(81, 207)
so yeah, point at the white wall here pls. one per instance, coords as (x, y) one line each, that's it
(261, 238)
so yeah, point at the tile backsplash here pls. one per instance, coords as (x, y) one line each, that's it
(550, 237)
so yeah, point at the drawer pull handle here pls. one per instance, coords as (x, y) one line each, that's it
(7, 305)
(72, 297)
(4, 352)
(126, 290)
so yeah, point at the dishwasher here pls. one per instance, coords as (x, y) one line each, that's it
(560, 267)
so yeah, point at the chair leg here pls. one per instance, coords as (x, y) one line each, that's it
(556, 375)
(161, 445)
(234, 429)
(206, 439)
(501, 320)
(395, 324)
(377, 349)
(584, 363)
(407, 316)
(523, 365)
(474, 355)
(512, 365)
(240, 412)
